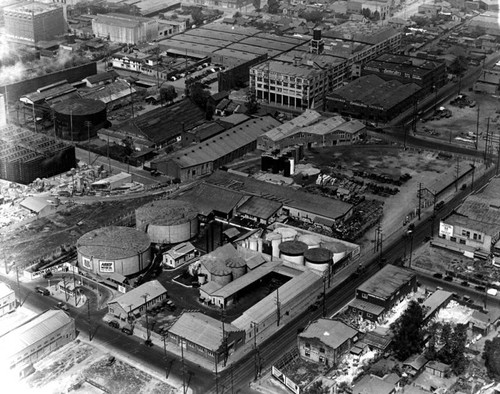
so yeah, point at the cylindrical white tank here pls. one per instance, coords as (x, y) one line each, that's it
(293, 251)
(311, 240)
(292, 166)
(318, 258)
(253, 244)
(259, 245)
(275, 243)
(338, 249)
(237, 265)
(287, 234)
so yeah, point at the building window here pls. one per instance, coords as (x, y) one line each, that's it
(307, 353)
(475, 236)
(453, 239)
(364, 295)
(307, 345)
(462, 241)
(321, 359)
(322, 350)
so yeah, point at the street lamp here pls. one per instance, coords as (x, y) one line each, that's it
(410, 234)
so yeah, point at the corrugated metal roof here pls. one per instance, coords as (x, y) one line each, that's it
(208, 198)
(259, 207)
(332, 333)
(33, 331)
(386, 281)
(201, 329)
(366, 306)
(135, 297)
(35, 204)
(180, 250)
(307, 118)
(294, 288)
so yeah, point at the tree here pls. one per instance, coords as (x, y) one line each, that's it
(198, 94)
(459, 66)
(408, 332)
(273, 6)
(366, 13)
(458, 342)
(128, 143)
(237, 14)
(167, 93)
(431, 352)
(445, 339)
(313, 16)
(256, 4)
(376, 16)
(197, 16)
(491, 356)
(252, 104)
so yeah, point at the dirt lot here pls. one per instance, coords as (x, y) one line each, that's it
(81, 368)
(464, 120)
(28, 242)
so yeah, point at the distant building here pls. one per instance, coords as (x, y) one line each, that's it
(33, 340)
(372, 98)
(382, 8)
(125, 28)
(169, 27)
(100, 79)
(373, 384)
(136, 301)
(428, 74)
(30, 23)
(7, 299)
(376, 296)
(429, 10)
(488, 82)
(38, 205)
(325, 341)
(222, 4)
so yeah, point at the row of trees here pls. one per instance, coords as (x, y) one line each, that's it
(445, 343)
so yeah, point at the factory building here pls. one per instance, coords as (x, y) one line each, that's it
(205, 336)
(123, 28)
(201, 159)
(428, 74)
(300, 78)
(36, 338)
(109, 250)
(372, 98)
(136, 301)
(224, 4)
(376, 296)
(26, 156)
(29, 23)
(168, 221)
(78, 119)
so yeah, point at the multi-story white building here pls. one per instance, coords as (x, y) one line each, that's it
(7, 299)
(124, 28)
(301, 80)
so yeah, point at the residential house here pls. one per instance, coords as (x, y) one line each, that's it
(325, 341)
(437, 368)
(373, 384)
(179, 254)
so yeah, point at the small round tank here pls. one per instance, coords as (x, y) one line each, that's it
(338, 249)
(312, 241)
(237, 265)
(293, 251)
(318, 258)
(287, 234)
(221, 275)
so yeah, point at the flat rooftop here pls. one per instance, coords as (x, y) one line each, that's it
(386, 281)
(31, 8)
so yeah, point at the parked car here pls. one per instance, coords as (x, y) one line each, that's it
(42, 290)
(480, 288)
(48, 274)
(127, 330)
(148, 342)
(438, 275)
(114, 324)
(448, 278)
(63, 306)
(170, 305)
(465, 283)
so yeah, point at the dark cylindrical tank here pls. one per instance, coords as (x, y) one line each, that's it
(79, 119)
(317, 34)
(318, 258)
(293, 251)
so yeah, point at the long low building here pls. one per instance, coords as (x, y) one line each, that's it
(204, 158)
(33, 340)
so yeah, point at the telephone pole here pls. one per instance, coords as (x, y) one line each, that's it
(324, 297)
(145, 296)
(89, 320)
(419, 199)
(278, 306)
(457, 167)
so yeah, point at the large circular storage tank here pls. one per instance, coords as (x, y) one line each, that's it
(293, 251)
(221, 274)
(318, 258)
(312, 241)
(113, 249)
(287, 234)
(237, 265)
(78, 119)
(168, 221)
(338, 249)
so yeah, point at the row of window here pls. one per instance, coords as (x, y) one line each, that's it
(475, 236)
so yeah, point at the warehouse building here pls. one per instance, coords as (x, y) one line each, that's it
(8, 301)
(179, 255)
(428, 74)
(136, 301)
(372, 98)
(26, 156)
(36, 338)
(114, 250)
(204, 158)
(123, 28)
(205, 336)
(376, 296)
(29, 23)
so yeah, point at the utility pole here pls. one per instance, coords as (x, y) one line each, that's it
(410, 233)
(324, 297)
(145, 296)
(278, 305)
(18, 286)
(419, 199)
(457, 167)
(65, 291)
(256, 350)
(90, 321)
(224, 339)
(184, 367)
(477, 128)
(487, 143)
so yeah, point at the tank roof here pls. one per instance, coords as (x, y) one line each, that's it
(220, 270)
(166, 212)
(235, 262)
(310, 239)
(318, 255)
(79, 106)
(113, 242)
(286, 232)
(335, 247)
(293, 248)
